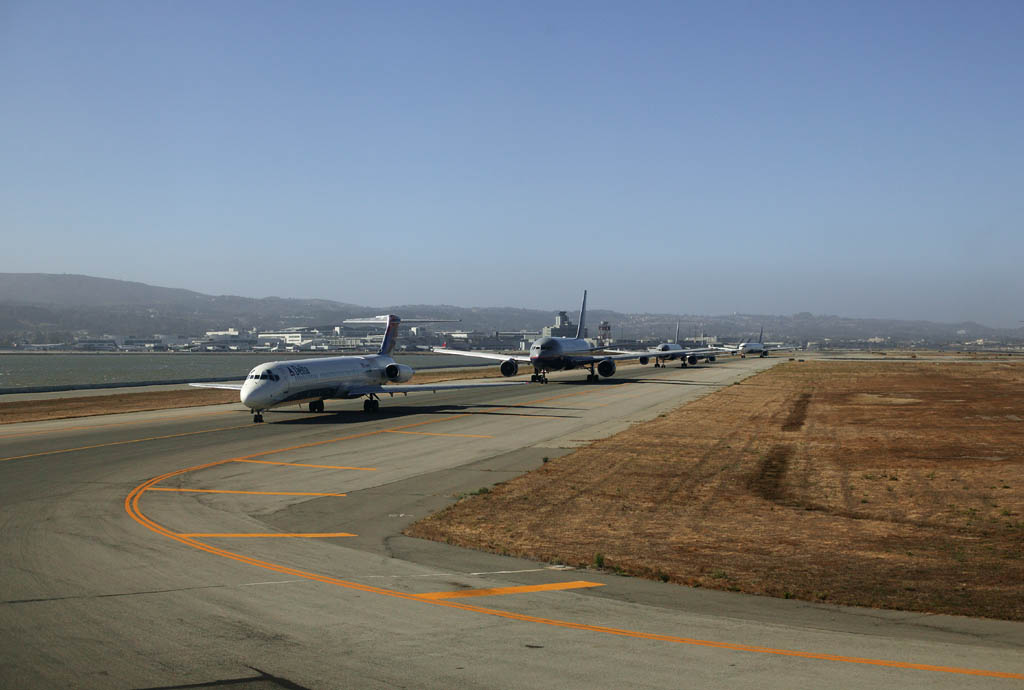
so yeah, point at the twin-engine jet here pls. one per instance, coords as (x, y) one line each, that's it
(312, 381)
(666, 352)
(751, 348)
(554, 353)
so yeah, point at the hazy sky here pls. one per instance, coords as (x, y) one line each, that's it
(859, 158)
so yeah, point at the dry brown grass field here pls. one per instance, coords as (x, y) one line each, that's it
(895, 485)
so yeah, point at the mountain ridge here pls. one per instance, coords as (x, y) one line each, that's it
(33, 304)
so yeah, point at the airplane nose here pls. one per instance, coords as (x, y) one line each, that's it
(254, 397)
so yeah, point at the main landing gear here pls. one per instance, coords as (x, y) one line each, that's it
(371, 404)
(592, 377)
(316, 406)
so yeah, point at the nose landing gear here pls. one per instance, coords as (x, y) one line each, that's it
(257, 416)
(539, 376)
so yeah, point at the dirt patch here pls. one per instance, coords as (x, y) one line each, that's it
(868, 502)
(797, 415)
(89, 405)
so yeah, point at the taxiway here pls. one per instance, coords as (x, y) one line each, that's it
(191, 547)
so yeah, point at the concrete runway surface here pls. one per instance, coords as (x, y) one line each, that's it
(192, 548)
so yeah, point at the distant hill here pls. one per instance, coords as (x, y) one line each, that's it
(42, 307)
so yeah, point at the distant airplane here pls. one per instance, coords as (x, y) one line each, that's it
(671, 351)
(751, 348)
(554, 353)
(312, 381)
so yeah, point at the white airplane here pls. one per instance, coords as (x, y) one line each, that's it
(751, 348)
(670, 351)
(312, 381)
(554, 353)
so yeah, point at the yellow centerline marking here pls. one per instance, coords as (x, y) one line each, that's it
(121, 443)
(281, 450)
(428, 433)
(299, 464)
(229, 491)
(131, 506)
(268, 535)
(523, 589)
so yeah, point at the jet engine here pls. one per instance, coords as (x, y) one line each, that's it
(509, 367)
(644, 360)
(606, 367)
(691, 360)
(398, 373)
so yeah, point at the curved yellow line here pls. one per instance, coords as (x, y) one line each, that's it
(131, 505)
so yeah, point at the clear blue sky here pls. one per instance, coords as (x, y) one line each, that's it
(859, 158)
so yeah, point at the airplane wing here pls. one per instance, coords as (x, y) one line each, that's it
(482, 355)
(225, 386)
(617, 356)
(667, 353)
(424, 387)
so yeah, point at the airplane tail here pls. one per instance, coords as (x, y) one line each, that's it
(581, 329)
(677, 333)
(390, 335)
(760, 338)
(390, 322)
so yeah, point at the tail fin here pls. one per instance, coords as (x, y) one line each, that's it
(760, 338)
(581, 329)
(390, 335)
(390, 322)
(677, 333)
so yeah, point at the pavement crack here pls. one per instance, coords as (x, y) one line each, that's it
(108, 596)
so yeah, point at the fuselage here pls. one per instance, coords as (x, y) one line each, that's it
(554, 354)
(667, 350)
(303, 380)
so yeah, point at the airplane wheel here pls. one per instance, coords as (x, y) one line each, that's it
(367, 406)
(257, 418)
(316, 406)
(376, 405)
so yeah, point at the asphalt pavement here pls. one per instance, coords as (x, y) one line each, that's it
(192, 548)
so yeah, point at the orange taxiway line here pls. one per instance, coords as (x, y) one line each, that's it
(428, 433)
(299, 464)
(267, 535)
(121, 443)
(523, 589)
(229, 491)
(280, 450)
(131, 506)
